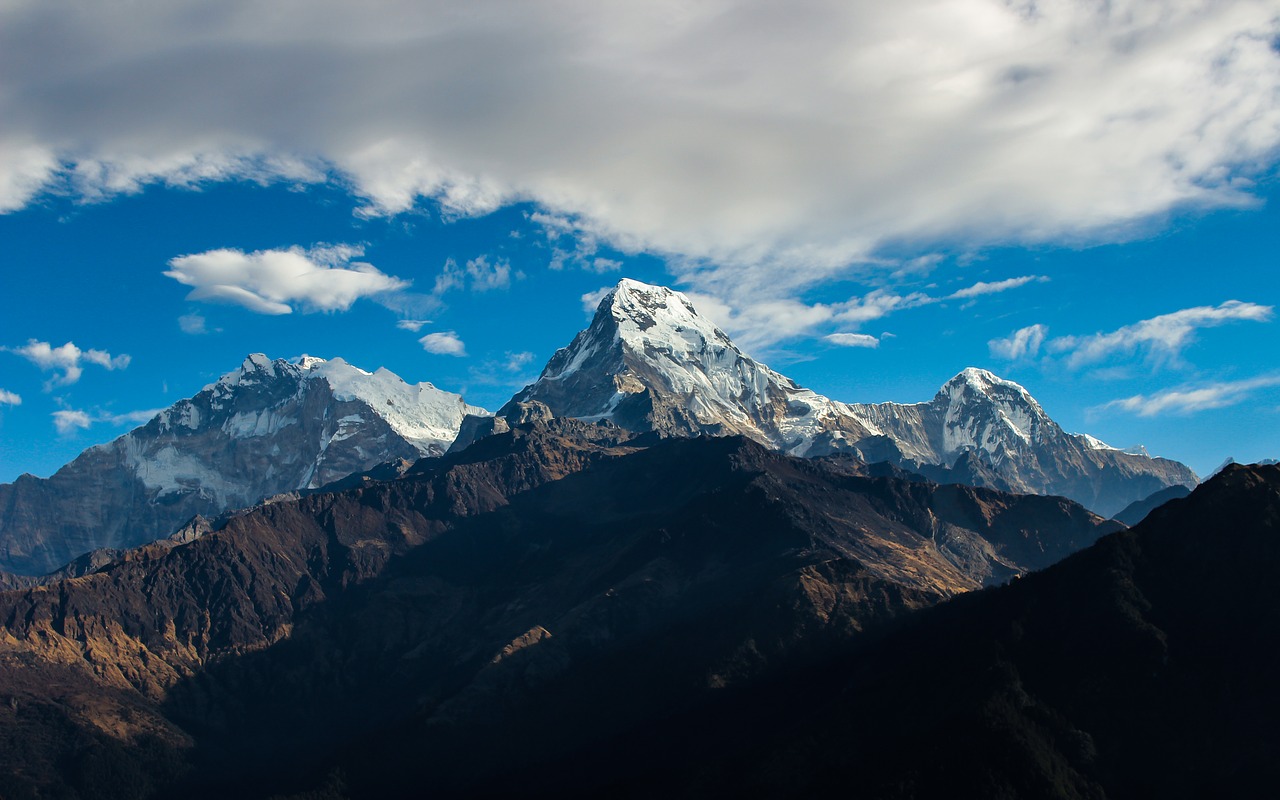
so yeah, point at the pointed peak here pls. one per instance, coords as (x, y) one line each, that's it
(257, 362)
(255, 368)
(645, 306)
(981, 380)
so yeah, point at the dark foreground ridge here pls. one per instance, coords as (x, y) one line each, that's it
(569, 609)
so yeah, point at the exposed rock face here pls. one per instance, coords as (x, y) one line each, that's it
(455, 595)
(982, 430)
(1142, 667)
(268, 427)
(649, 362)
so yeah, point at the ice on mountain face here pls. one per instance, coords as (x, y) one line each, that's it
(686, 377)
(651, 339)
(256, 423)
(1092, 442)
(422, 414)
(988, 413)
(262, 398)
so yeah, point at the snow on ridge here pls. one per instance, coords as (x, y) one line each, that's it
(421, 413)
(1093, 442)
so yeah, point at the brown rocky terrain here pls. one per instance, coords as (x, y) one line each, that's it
(644, 572)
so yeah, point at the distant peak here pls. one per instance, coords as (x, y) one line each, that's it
(983, 381)
(307, 362)
(256, 361)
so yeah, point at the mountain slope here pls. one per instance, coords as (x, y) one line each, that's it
(649, 362)
(452, 596)
(1142, 667)
(265, 428)
(1138, 510)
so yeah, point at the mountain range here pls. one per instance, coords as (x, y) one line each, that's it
(648, 362)
(662, 569)
(571, 609)
(307, 624)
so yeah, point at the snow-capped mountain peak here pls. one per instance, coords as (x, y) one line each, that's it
(267, 427)
(648, 361)
(985, 412)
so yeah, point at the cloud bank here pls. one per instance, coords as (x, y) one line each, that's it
(735, 137)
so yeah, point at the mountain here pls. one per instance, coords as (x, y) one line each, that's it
(1142, 667)
(265, 428)
(650, 362)
(1229, 460)
(374, 630)
(1138, 510)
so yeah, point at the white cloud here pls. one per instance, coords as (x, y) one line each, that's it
(8, 398)
(1023, 343)
(193, 324)
(443, 343)
(769, 150)
(603, 265)
(756, 325)
(1160, 340)
(477, 274)
(273, 281)
(517, 361)
(131, 417)
(853, 340)
(591, 300)
(66, 361)
(1190, 399)
(982, 287)
(414, 325)
(69, 420)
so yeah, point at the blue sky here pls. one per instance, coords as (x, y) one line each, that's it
(867, 199)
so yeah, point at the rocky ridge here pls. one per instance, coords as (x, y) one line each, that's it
(648, 361)
(441, 596)
(270, 426)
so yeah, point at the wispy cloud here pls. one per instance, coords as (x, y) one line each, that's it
(994, 287)
(444, 343)
(66, 361)
(193, 324)
(478, 275)
(414, 325)
(68, 420)
(1190, 399)
(1159, 340)
(512, 370)
(323, 278)
(853, 340)
(8, 398)
(514, 362)
(1022, 344)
